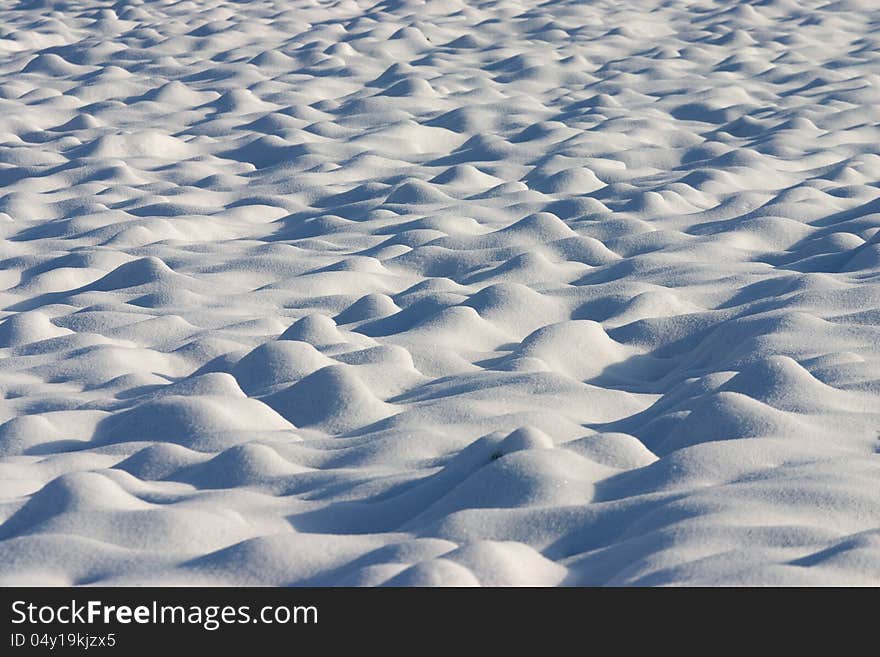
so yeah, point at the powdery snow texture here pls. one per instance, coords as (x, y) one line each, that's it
(439, 292)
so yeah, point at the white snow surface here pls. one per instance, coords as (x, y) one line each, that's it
(439, 292)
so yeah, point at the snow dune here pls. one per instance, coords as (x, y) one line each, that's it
(433, 292)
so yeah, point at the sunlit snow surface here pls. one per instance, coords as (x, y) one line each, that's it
(410, 293)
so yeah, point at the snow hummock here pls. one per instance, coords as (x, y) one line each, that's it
(439, 293)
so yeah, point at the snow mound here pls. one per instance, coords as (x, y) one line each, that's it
(429, 293)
